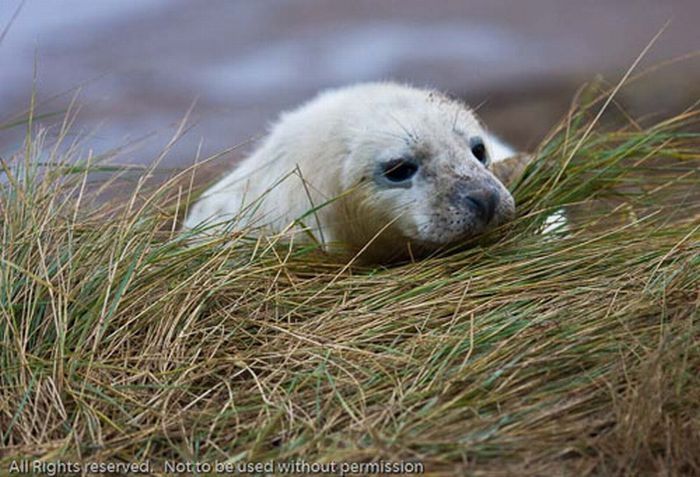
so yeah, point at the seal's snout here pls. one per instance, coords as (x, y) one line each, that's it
(482, 202)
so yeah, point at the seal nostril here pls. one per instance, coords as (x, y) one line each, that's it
(475, 203)
(483, 203)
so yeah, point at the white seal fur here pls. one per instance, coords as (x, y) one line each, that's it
(386, 169)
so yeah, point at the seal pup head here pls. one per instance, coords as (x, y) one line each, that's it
(419, 166)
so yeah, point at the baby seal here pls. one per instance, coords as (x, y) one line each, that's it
(384, 169)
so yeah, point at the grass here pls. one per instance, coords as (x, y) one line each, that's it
(572, 352)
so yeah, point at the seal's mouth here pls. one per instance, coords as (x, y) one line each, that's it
(466, 240)
(477, 216)
(446, 241)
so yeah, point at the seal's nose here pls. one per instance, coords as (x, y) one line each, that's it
(481, 201)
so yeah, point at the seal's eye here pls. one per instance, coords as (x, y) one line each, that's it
(399, 170)
(479, 151)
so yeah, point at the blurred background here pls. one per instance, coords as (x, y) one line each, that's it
(141, 64)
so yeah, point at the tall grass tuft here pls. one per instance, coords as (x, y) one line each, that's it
(570, 351)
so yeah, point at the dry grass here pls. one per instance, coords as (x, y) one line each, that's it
(573, 352)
